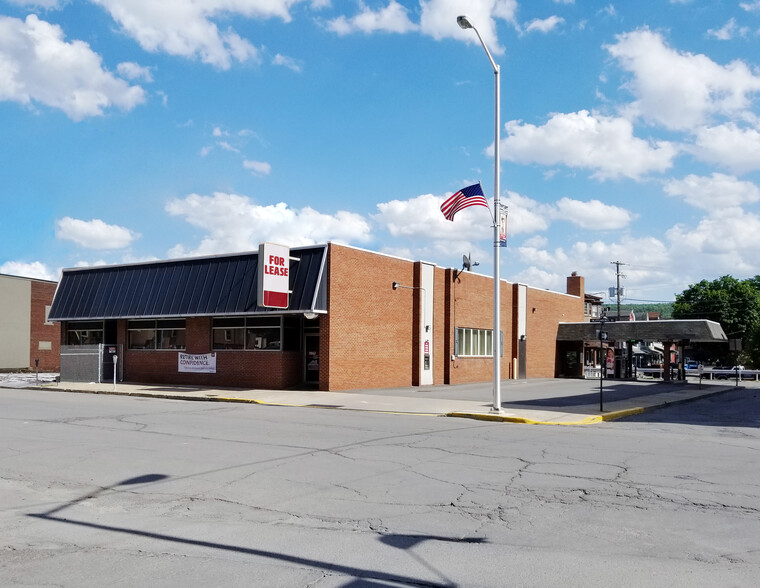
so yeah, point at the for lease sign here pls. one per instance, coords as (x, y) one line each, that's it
(274, 281)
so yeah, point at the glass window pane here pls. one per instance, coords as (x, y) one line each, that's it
(489, 343)
(171, 324)
(228, 322)
(171, 339)
(84, 337)
(263, 321)
(263, 338)
(467, 341)
(229, 338)
(142, 339)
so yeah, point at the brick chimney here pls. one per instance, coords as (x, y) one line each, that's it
(576, 285)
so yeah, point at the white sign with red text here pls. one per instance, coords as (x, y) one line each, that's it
(274, 281)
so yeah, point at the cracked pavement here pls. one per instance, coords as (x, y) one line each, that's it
(128, 491)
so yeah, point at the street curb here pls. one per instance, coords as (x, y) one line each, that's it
(592, 420)
(491, 417)
(229, 399)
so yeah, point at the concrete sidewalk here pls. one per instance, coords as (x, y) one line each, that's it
(544, 401)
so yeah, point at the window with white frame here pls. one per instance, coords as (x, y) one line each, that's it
(474, 342)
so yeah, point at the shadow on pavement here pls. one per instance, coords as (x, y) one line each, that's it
(738, 407)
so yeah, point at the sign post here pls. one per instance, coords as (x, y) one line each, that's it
(602, 363)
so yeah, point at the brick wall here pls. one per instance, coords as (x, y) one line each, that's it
(472, 307)
(235, 369)
(369, 325)
(545, 310)
(44, 335)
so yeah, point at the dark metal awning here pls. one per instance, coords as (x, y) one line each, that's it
(221, 285)
(696, 330)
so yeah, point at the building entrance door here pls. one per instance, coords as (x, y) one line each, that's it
(311, 359)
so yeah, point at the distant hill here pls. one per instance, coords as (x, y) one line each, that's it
(664, 308)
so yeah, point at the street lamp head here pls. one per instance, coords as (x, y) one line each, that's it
(464, 22)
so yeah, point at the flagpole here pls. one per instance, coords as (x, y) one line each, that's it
(465, 23)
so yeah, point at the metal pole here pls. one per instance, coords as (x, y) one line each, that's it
(496, 251)
(601, 373)
(465, 23)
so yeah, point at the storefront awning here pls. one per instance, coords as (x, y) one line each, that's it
(221, 285)
(696, 330)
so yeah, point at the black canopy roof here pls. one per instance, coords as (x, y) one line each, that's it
(662, 330)
(221, 285)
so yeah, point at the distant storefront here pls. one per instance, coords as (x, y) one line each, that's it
(350, 319)
(28, 340)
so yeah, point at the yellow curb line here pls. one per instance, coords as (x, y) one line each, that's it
(611, 416)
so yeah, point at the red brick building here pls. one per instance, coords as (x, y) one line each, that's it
(26, 335)
(356, 319)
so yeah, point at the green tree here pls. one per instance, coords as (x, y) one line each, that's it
(735, 304)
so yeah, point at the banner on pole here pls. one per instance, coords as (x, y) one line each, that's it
(502, 228)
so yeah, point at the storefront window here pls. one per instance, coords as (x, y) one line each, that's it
(229, 333)
(263, 333)
(271, 333)
(84, 333)
(158, 334)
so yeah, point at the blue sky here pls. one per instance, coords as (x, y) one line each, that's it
(135, 130)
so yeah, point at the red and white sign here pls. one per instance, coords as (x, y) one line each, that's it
(274, 281)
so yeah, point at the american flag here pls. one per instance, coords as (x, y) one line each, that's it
(469, 196)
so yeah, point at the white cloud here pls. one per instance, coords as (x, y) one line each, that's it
(544, 25)
(526, 215)
(713, 193)
(187, 29)
(134, 71)
(727, 240)
(728, 31)
(38, 66)
(728, 145)
(228, 147)
(259, 168)
(439, 20)
(751, 6)
(421, 218)
(23, 269)
(587, 141)
(288, 62)
(593, 214)
(234, 223)
(681, 90)
(420, 231)
(393, 18)
(591, 259)
(94, 234)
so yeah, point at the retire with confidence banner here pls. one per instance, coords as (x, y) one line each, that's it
(198, 364)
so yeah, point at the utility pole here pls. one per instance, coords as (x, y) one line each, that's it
(628, 364)
(618, 275)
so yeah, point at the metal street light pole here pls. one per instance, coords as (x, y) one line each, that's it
(465, 23)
